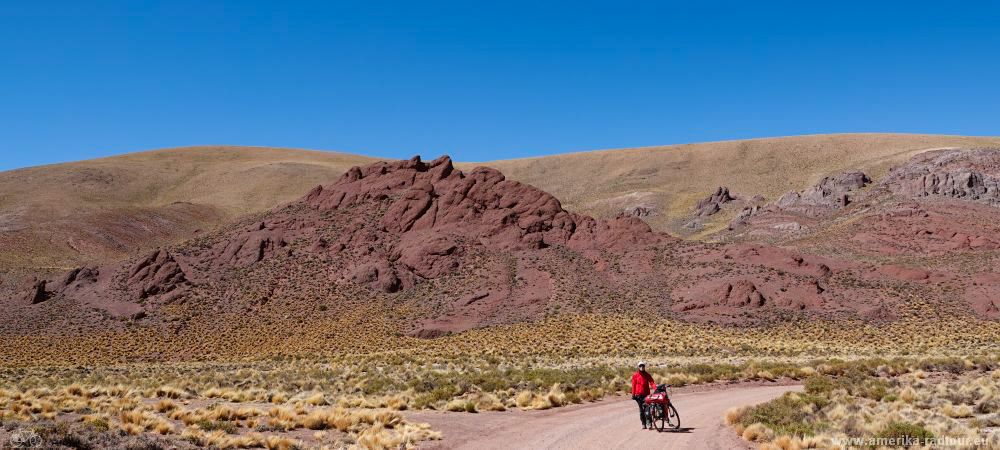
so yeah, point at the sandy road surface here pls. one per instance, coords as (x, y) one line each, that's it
(607, 424)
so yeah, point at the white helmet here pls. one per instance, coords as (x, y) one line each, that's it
(641, 364)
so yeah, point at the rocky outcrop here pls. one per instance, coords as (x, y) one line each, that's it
(156, 274)
(251, 246)
(713, 203)
(387, 226)
(637, 211)
(482, 204)
(79, 277)
(744, 216)
(830, 193)
(972, 175)
(739, 293)
(819, 201)
(433, 213)
(37, 292)
(430, 254)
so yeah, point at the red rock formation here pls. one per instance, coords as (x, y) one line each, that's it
(156, 274)
(740, 293)
(482, 204)
(437, 211)
(251, 246)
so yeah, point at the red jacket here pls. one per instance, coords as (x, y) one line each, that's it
(642, 383)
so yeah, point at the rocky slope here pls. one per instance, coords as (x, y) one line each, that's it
(438, 250)
(932, 220)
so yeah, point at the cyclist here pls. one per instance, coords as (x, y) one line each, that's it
(642, 383)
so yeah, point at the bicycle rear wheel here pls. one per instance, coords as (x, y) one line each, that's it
(659, 416)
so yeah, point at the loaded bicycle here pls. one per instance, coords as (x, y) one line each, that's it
(660, 411)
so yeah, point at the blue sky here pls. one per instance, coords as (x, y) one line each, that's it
(85, 79)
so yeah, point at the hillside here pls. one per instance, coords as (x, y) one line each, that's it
(65, 215)
(423, 249)
(668, 181)
(69, 214)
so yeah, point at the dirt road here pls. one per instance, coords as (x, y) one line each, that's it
(607, 424)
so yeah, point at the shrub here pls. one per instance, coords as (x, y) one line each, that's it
(905, 434)
(819, 384)
(227, 427)
(784, 415)
(757, 432)
(524, 398)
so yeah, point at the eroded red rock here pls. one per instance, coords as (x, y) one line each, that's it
(156, 274)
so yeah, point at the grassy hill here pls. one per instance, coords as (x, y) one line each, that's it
(671, 179)
(66, 214)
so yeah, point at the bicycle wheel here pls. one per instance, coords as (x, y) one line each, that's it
(671, 417)
(659, 417)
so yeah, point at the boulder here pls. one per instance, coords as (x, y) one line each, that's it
(713, 203)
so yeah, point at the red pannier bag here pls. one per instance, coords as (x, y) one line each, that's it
(657, 398)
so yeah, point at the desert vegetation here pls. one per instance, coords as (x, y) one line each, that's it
(936, 403)
(101, 415)
(302, 397)
(621, 337)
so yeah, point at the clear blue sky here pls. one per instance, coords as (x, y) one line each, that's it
(83, 79)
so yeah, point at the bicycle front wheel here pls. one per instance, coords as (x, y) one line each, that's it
(672, 419)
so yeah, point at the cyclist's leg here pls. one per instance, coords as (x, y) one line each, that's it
(641, 400)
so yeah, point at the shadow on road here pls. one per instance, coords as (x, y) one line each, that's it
(679, 430)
